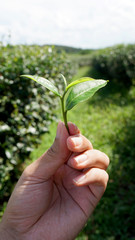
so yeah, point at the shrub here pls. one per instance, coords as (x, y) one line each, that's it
(25, 111)
(115, 63)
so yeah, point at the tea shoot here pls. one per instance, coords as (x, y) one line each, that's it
(77, 91)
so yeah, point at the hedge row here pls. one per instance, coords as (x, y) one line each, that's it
(25, 109)
(115, 63)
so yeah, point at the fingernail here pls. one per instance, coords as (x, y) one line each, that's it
(77, 141)
(81, 158)
(79, 179)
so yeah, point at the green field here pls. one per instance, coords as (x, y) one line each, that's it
(108, 121)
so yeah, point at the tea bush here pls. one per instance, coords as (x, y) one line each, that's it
(115, 63)
(25, 109)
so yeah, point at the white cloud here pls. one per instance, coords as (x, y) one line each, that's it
(87, 23)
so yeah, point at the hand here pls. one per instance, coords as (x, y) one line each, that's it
(57, 193)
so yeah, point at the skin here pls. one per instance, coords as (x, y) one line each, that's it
(57, 193)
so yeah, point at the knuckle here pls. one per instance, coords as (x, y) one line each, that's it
(98, 153)
(106, 160)
(90, 144)
(102, 176)
(102, 157)
(106, 177)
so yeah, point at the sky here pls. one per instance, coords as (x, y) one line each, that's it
(78, 23)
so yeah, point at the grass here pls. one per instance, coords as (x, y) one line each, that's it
(108, 121)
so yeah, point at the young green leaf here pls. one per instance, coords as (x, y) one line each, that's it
(44, 82)
(78, 81)
(65, 82)
(82, 91)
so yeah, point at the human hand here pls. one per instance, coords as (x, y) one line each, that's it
(57, 193)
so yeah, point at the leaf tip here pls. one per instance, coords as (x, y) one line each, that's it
(23, 76)
(64, 80)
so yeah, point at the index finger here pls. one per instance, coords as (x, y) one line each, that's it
(78, 143)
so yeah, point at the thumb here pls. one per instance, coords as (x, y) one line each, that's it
(46, 166)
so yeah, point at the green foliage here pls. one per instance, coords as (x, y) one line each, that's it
(84, 79)
(81, 60)
(81, 90)
(115, 63)
(67, 49)
(25, 110)
(44, 82)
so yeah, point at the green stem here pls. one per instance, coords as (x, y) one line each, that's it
(64, 113)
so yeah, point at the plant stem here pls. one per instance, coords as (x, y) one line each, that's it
(64, 113)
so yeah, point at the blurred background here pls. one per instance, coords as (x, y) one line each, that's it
(76, 38)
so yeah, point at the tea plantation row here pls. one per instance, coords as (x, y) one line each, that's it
(115, 63)
(25, 109)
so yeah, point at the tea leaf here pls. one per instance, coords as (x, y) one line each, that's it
(44, 82)
(65, 82)
(83, 91)
(78, 81)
